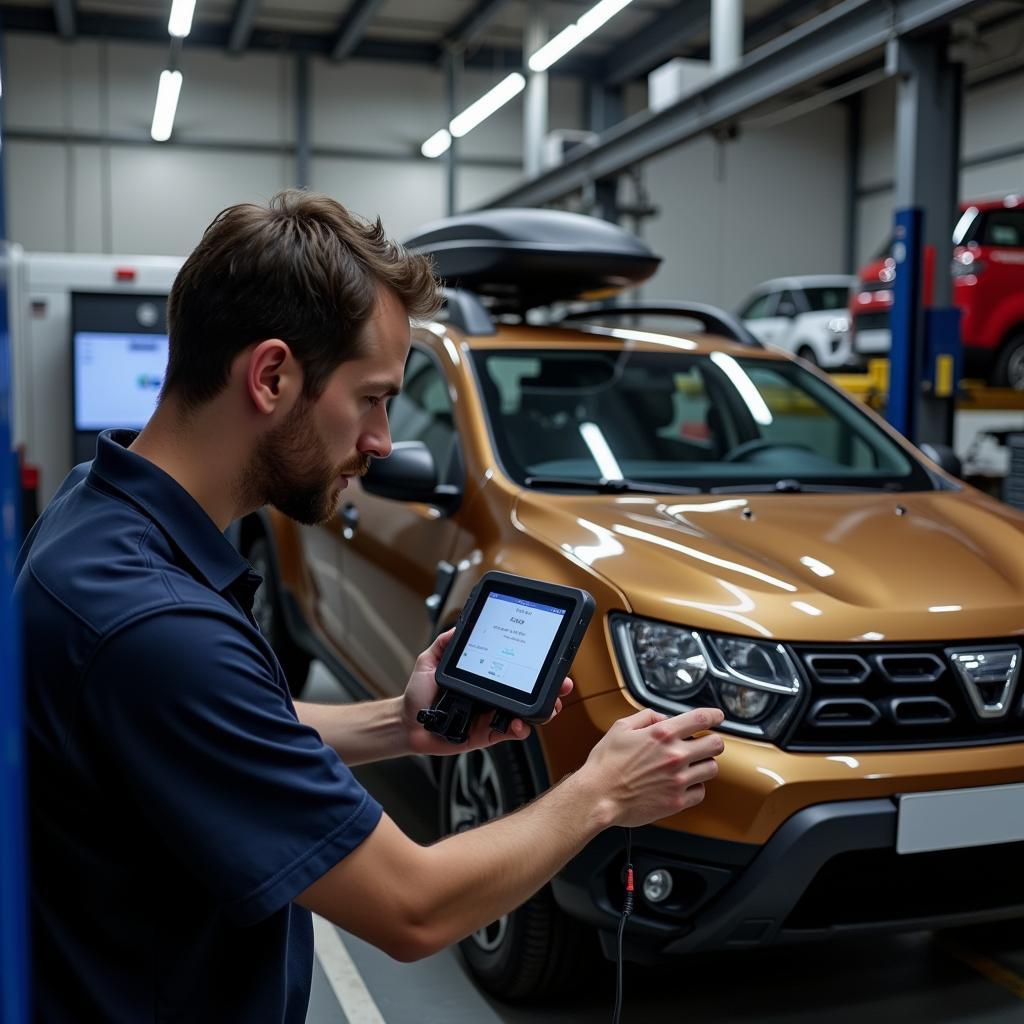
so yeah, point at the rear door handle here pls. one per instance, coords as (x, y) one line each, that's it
(349, 521)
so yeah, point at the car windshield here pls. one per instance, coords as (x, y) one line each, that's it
(622, 419)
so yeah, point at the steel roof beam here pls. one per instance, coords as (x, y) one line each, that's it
(851, 31)
(353, 28)
(658, 42)
(672, 35)
(475, 21)
(64, 15)
(23, 18)
(242, 25)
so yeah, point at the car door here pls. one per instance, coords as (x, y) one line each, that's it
(390, 551)
(763, 320)
(782, 332)
(320, 545)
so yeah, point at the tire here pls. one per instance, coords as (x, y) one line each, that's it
(537, 950)
(1009, 368)
(806, 352)
(268, 613)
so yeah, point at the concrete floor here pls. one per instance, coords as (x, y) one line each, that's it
(965, 975)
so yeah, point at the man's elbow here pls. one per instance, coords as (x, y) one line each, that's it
(414, 942)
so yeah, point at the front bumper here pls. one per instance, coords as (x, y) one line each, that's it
(830, 870)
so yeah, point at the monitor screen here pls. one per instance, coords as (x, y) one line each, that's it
(511, 640)
(117, 378)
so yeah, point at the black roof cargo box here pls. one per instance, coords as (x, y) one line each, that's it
(521, 258)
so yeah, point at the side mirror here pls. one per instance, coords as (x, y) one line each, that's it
(944, 457)
(409, 474)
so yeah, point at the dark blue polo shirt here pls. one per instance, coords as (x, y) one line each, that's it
(177, 804)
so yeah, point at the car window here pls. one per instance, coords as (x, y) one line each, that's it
(761, 307)
(423, 411)
(1004, 228)
(820, 299)
(703, 420)
(788, 305)
(797, 417)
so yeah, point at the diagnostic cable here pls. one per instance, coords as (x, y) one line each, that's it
(627, 909)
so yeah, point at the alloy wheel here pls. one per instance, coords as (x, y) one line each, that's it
(475, 797)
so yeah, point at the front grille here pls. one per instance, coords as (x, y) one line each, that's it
(877, 321)
(894, 696)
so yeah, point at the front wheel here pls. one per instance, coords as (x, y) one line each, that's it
(808, 353)
(536, 950)
(1009, 368)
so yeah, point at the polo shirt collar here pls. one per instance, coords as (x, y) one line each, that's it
(168, 504)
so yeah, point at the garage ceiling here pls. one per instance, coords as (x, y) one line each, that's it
(490, 32)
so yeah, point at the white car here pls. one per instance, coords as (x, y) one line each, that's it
(808, 316)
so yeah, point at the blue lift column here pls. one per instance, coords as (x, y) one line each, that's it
(925, 355)
(14, 945)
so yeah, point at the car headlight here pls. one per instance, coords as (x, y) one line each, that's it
(839, 325)
(755, 682)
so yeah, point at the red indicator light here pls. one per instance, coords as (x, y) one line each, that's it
(124, 274)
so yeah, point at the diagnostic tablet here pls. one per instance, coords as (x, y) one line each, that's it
(513, 645)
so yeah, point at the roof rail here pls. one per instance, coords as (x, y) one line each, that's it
(467, 312)
(714, 319)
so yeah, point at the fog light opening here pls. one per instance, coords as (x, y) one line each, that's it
(657, 886)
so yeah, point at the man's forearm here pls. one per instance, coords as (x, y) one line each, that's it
(413, 900)
(360, 733)
(416, 900)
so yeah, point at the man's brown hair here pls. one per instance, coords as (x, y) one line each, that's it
(303, 269)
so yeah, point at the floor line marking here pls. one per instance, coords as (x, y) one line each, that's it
(343, 976)
(995, 972)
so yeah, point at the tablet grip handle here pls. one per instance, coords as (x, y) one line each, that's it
(450, 716)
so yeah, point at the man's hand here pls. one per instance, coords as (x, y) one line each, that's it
(421, 691)
(649, 766)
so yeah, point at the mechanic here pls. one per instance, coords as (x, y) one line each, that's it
(186, 816)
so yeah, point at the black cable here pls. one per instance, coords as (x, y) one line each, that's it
(627, 909)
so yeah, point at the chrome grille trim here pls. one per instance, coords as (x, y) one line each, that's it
(816, 664)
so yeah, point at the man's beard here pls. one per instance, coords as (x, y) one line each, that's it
(291, 470)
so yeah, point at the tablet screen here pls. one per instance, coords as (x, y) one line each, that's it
(510, 641)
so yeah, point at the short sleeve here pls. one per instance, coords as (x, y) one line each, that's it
(210, 752)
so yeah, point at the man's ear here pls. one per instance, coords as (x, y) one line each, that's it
(271, 375)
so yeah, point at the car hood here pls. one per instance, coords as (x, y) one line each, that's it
(842, 567)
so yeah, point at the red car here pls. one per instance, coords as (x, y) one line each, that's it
(988, 286)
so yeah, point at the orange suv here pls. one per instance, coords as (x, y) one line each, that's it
(753, 538)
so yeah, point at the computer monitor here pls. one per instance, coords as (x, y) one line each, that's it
(118, 362)
(117, 378)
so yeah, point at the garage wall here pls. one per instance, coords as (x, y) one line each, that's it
(992, 128)
(72, 189)
(733, 214)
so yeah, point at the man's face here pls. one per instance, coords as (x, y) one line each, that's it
(302, 466)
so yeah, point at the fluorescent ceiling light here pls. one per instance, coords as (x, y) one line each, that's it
(180, 21)
(574, 34)
(482, 109)
(437, 144)
(166, 105)
(491, 101)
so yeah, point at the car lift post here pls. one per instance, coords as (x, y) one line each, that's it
(925, 351)
(14, 957)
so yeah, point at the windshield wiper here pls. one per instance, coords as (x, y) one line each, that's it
(789, 485)
(605, 486)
